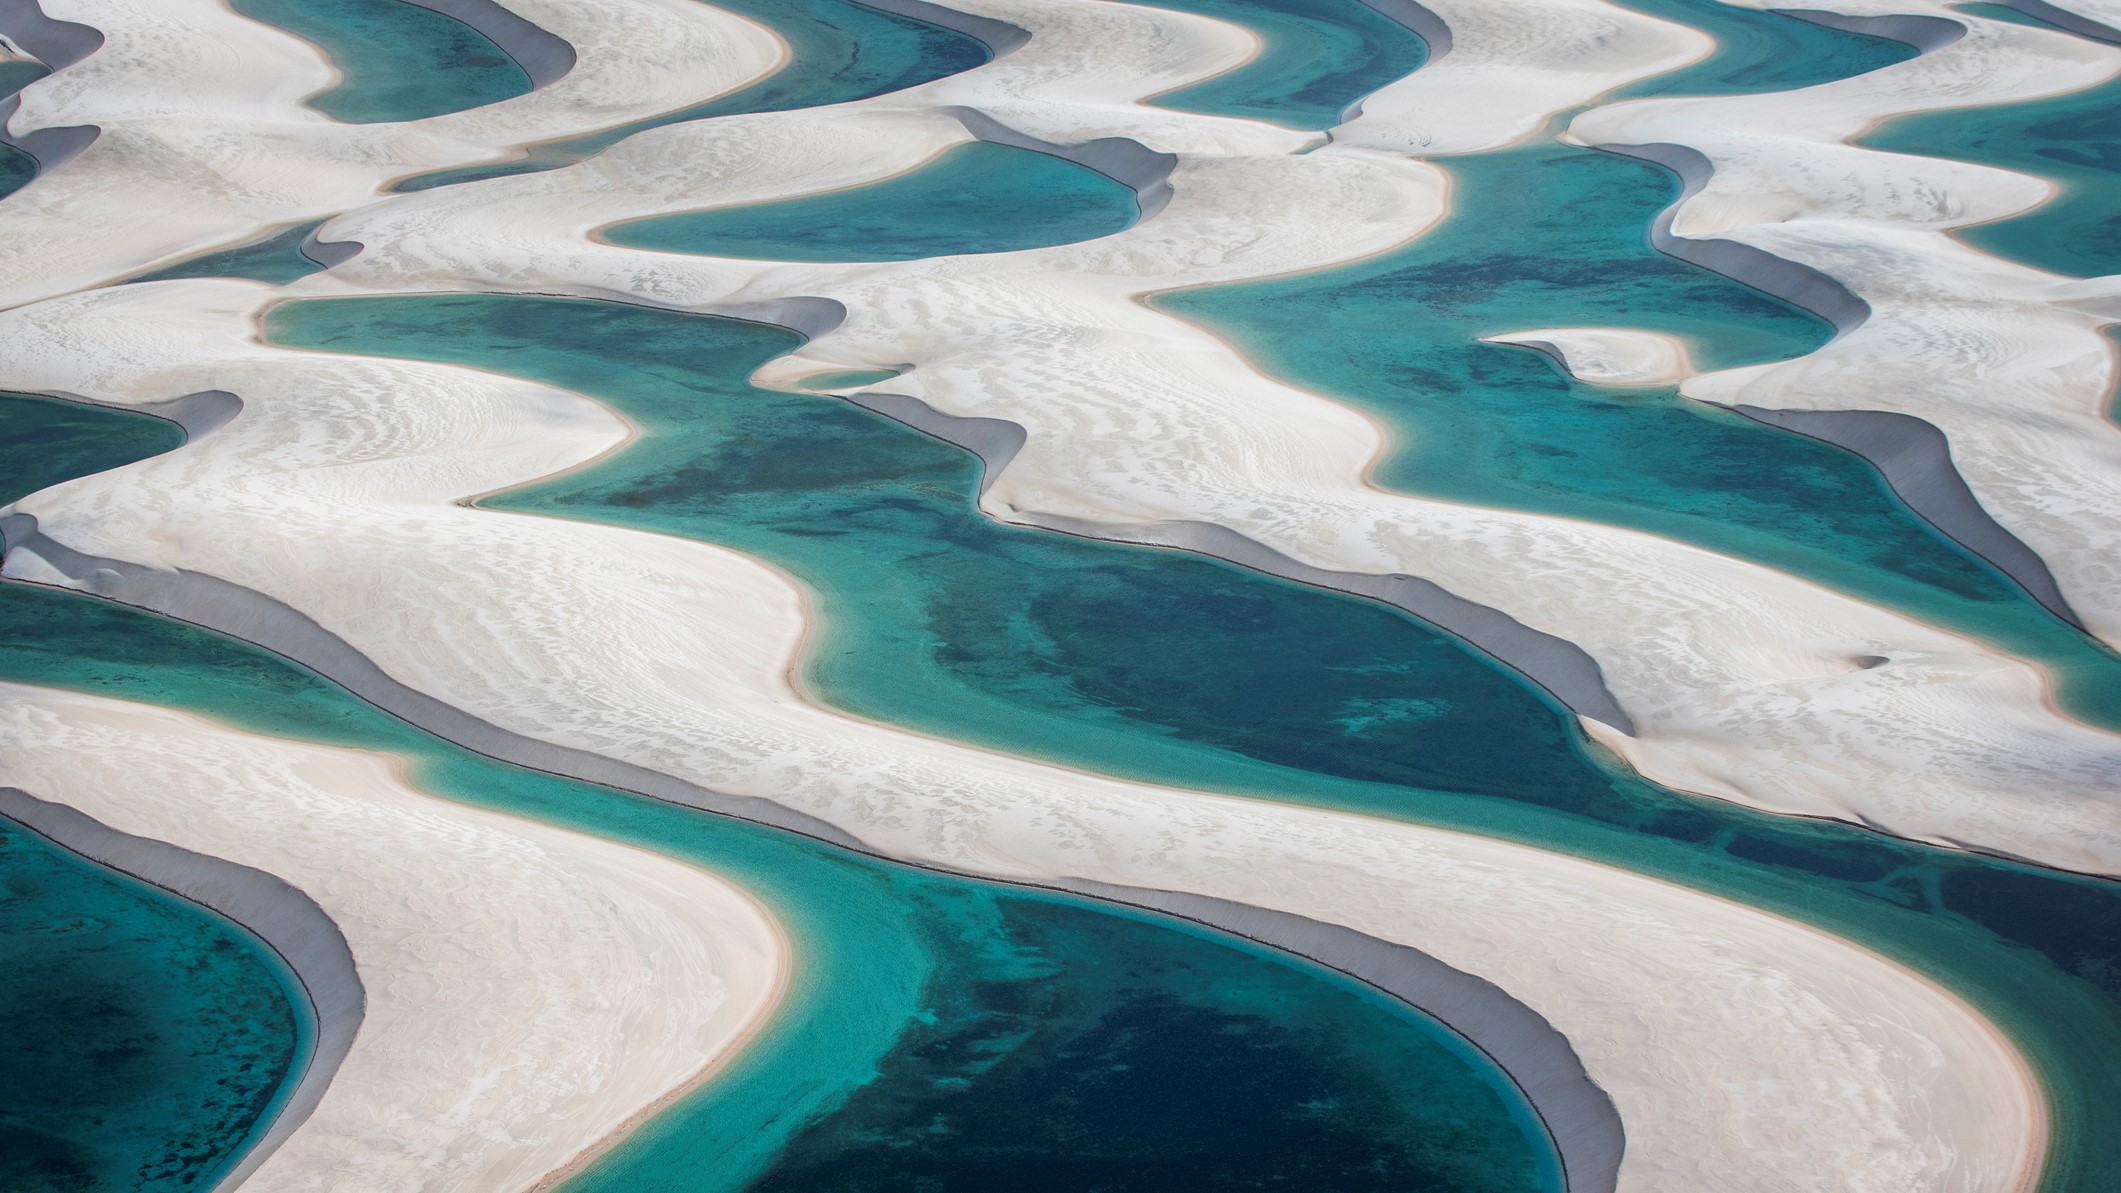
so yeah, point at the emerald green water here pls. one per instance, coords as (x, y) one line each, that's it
(1548, 235)
(146, 1037)
(977, 197)
(398, 61)
(1317, 58)
(2069, 140)
(839, 51)
(1180, 670)
(919, 1002)
(275, 258)
(44, 441)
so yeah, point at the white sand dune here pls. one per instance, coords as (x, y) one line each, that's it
(2005, 360)
(201, 123)
(1708, 673)
(1608, 355)
(528, 991)
(1742, 1051)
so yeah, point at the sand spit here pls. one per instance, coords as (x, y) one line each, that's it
(288, 921)
(334, 493)
(1608, 355)
(1709, 673)
(198, 117)
(528, 989)
(2005, 361)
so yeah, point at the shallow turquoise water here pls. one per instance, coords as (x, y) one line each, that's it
(398, 61)
(17, 167)
(1154, 665)
(1318, 58)
(145, 1036)
(1760, 52)
(44, 441)
(918, 998)
(978, 197)
(2069, 140)
(276, 258)
(839, 51)
(1547, 235)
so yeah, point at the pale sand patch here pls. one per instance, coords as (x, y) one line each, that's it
(1608, 355)
(2008, 362)
(529, 991)
(202, 123)
(1709, 673)
(1743, 1051)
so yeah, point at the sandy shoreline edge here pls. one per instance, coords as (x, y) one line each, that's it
(288, 921)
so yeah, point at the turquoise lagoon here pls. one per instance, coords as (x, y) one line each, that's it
(276, 258)
(2069, 140)
(977, 197)
(839, 52)
(1316, 59)
(17, 167)
(397, 61)
(1181, 670)
(921, 1004)
(147, 1038)
(1547, 235)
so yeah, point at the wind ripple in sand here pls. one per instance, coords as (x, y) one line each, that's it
(516, 976)
(1709, 674)
(1737, 1046)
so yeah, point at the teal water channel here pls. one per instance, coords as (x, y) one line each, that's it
(839, 51)
(396, 61)
(977, 197)
(1316, 58)
(2069, 140)
(17, 167)
(940, 1033)
(146, 1036)
(1546, 235)
(1181, 670)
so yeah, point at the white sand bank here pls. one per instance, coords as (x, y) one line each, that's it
(1608, 355)
(528, 990)
(2005, 360)
(202, 124)
(332, 493)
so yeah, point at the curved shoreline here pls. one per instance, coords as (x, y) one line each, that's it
(1581, 1120)
(287, 921)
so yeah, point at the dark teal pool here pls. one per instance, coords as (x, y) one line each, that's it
(397, 61)
(1180, 670)
(2069, 140)
(17, 167)
(1317, 58)
(839, 51)
(977, 197)
(917, 999)
(145, 1036)
(275, 258)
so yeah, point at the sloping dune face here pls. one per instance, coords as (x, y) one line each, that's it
(1812, 885)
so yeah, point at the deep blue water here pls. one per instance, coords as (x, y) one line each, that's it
(839, 51)
(977, 197)
(397, 61)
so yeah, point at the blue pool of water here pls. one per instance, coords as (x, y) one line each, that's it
(977, 197)
(917, 999)
(2069, 140)
(397, 61)
(146, 1038)
(839, 51)
(1150, 665)
(1317, 58)
(275, 258)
